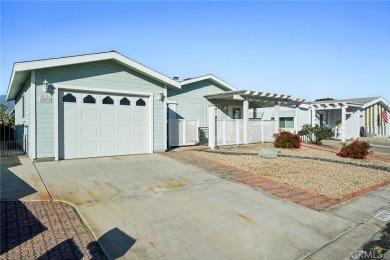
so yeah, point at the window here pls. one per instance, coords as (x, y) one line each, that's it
(23, 106)
(108, 101)
(236, 113)
(124, 102)
(69, 98)
(89, 99)
(286, 122)
(140, 103)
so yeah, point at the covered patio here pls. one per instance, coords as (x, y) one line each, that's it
(335, 115)
(234, 117)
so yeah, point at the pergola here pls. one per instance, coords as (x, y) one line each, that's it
(260, 99)
(329, 105)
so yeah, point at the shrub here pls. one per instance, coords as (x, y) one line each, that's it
(287, 140)
(357, 150)
(317, 133)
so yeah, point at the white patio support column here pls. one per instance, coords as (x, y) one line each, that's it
(245, 116)
(296, 118)
(376, 126)
(277, 108)
(343, 121)
(313, 116)
(212, 140)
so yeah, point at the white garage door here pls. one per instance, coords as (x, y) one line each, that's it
(94, 125)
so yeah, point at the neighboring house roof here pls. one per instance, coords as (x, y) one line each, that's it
(210, 77)
(357, 102)
(21, 70)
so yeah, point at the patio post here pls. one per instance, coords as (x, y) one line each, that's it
(296, 118)
(376, 126)
(313, 116)
(212, 140)
(277, 108)
(343, 120)
(245, 116)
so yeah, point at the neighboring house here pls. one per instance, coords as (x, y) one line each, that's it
(348, 116)
(93, 105)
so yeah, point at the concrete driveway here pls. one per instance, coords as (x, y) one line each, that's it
(151, 206)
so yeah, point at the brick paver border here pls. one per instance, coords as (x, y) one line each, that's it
(296, 195)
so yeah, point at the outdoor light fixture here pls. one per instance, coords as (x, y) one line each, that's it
(45, 87)
(160, 95)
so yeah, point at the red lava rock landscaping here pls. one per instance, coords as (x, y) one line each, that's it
(44, 230)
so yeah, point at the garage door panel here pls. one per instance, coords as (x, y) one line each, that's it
(96, 129)
(126, 147)
(140, 117)
(89, 115)
(108, 116)
(71, 133)
(108, 148)
(125, 132)
(90, 132)
(71, 114)
(89, 149)
(108, 132)
(72, 150)
(139, 132)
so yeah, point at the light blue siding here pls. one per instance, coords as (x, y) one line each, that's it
(191, 103)
(98, 75)
(23, 125)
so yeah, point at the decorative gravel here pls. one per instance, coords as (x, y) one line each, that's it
(319, 171)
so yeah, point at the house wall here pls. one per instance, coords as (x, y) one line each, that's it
(23, 125)
(304, 114)
(352, 124)
(99, 75)
(191, 103)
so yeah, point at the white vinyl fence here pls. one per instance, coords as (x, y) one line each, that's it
(183, 132)
(232, 131)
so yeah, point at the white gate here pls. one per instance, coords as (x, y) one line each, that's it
(183, 132)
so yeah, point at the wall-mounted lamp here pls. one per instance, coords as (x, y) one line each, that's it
(45, 87)
(160, 95)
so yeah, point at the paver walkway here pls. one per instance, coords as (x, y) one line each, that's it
(44, 230)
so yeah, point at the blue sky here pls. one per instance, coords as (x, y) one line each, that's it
(307, 49)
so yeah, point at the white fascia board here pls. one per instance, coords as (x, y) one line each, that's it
(209, 77)
(378, 100)
(41, 64)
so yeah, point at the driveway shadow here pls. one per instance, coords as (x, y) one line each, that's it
(115, 243)
(18, 225)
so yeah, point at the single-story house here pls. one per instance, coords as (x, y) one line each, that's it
(349, 118)
(89, 105)
(106, 104)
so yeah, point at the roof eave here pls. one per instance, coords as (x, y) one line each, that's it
(212, 78)
(112, 55)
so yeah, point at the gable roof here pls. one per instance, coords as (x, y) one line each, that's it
(358, 102)
(21, 70)
(210, 77)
